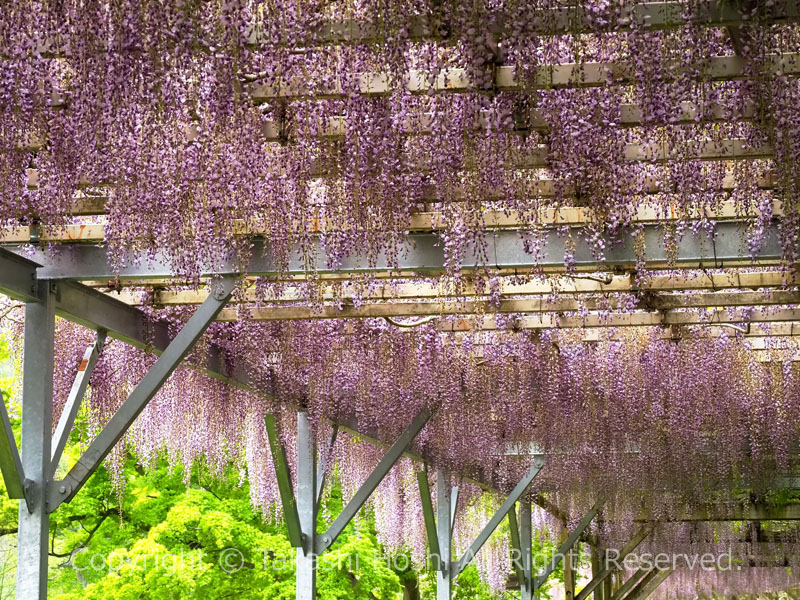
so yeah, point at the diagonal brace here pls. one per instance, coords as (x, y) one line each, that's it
(10, 463)
(651, 586)
(75, 398)
(387, 462)
(635, 582)
(324, 463)
(431, 530)
(498, 516)
(516, 547)
(627, 549)
(178, 348)
(284, 483)
(568, 544)
(430, 519)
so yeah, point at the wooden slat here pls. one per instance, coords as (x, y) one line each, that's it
(523, 306)
(563, 20)
(405, 291)
(646, 213)
(455, 80)
(634, 319)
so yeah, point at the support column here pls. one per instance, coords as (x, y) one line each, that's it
(569, 575)
(37, 418)
(596, 570)
(306, 575)
(444, 531)
(526, 542)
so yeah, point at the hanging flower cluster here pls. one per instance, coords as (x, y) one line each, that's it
(634, 417)
(195, 127)
(192, 129)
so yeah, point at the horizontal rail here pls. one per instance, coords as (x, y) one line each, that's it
(564, 285)
(628, 319)
(432, 221)
(424, 253)
(561, 20)
(530, 305)
(455, 80)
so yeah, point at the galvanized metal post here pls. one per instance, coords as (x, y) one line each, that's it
(444, 576)
(37, 418)
(525, 524)
(306, 568)
(569, 575)
(597, 569)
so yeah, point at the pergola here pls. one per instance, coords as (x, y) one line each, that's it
(546, 250)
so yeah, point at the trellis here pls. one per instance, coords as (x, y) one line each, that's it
(79, 282)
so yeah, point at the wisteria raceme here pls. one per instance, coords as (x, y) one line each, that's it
(189, 130)
(197, 125)
(634, 418)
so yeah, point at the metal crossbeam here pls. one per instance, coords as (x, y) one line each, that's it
(75, 398)
(501, 513)
(284, 483)
(365, 491)
(17, 277)
(637, 539)
(568, 544)
(424, 253)
(568, 19)
(116, 427)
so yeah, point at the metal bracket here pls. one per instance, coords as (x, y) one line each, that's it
(10, 463)
(75, 398)
(138, 399)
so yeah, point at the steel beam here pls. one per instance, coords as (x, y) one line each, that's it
(644, 581)
(290, 514)
(430, 520)
(632, 581)
(444, 531)
(324, 463)
(306, 557)
(17, 277)
(598, 578)
(37, 418)
(75, 398)
(653, 585)
(516, 546)
(10, 462)
(568, 544)
(116, 427)
(501, 513)
(365, 491)
(424, 253)
(569, 577)
(526, 540)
